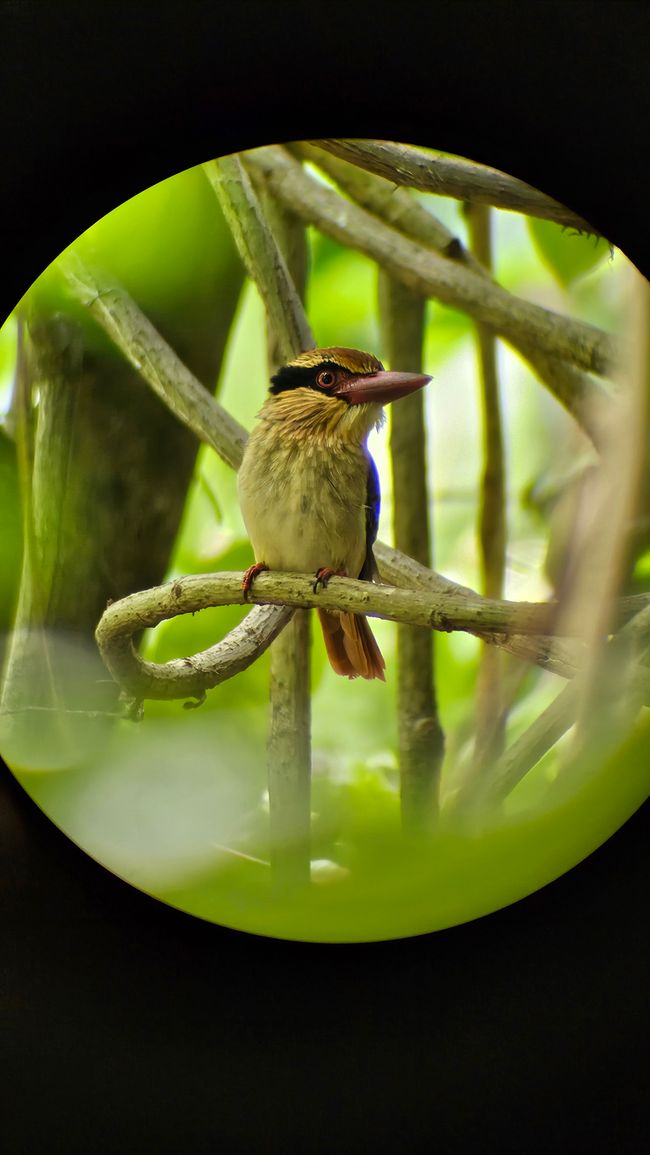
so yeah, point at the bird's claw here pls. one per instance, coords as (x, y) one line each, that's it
(324, 574)
(250, 575)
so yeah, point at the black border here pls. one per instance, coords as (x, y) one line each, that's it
(132, 1025)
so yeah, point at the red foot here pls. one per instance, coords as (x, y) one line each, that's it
(324, 574)
(250, 575)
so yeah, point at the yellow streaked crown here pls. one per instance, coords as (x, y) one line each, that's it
(354, 360)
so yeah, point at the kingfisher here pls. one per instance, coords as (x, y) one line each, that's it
(309, 489)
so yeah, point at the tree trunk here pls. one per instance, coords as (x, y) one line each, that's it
(103, 491)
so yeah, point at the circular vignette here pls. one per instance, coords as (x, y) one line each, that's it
(148, 800)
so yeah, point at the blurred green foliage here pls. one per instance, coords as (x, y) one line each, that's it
(166, 246)
(11, 529)
(10, 534)
(177, 804)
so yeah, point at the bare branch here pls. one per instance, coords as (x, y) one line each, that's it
(140, 342)
(582, 396)
(453, 177)
(263, 259)
(555, 654)
(421, 739)
(449, 610)
(491, 710)
(290, 237)
(188, 677)
(601, 538)
(517, 321)
(272, 243)
(177, 387)
(396, 206)
(492, 523)
(289, 755)
(553, 722)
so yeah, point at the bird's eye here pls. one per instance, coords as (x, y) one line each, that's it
(326, 379)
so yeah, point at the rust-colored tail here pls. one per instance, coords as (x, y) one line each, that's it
(351, 647)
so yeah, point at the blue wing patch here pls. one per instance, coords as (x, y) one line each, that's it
(369, 570)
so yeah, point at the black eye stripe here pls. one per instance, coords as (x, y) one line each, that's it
(304, 376)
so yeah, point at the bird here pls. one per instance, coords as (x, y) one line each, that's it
(309, 490)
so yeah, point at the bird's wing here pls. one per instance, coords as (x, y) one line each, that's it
(369, 570)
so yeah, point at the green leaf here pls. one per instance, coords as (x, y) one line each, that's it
(567, 254)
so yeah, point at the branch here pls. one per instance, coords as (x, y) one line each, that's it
(582, 397)
(145, 609)
(588, 402)
(290, 238)
(263, 259)
(452, 177)
(395, 206)
(492, 523)
(140, 342)
(549, 727)
(181, 677)
(289, 755)
(491, 710)
(180, 390)
(552, 653)
(274, 252)
(421, 739)
(48, 360)
(518, 321)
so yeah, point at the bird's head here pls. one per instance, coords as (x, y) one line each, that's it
(350, 375)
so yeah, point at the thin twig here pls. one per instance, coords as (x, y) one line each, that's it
(582, 397)
(154, 359)
(557, 655)
(289, 737)
(261, 255)
(552, 723)
(289, 755)
(272, 246)
(601, 539)
(165, 373)
(421, 739)
(62, 710)
(290, 238)
(490, 708)
(517, 321)
(396, 206)
(453, 177)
